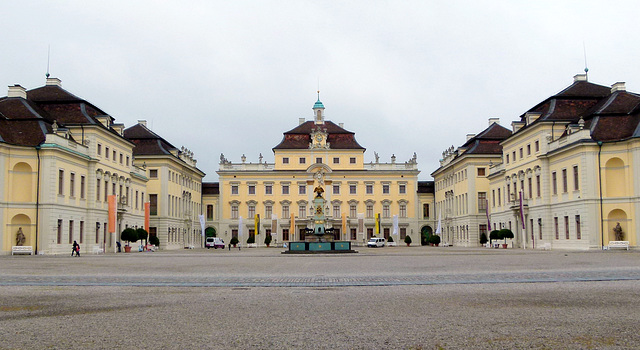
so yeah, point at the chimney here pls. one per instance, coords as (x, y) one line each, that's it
(17, 91)
(300, 121)
(54, 82)
(143, 123)
(470, 136)
(531, 117)
(619, 86)
(516, 126)
(579, 77)
(341, 125)
(119, 128)
(494, 120)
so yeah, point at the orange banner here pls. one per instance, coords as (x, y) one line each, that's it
(344, 224)
(292, 230)
(147, 211)
(111, 200)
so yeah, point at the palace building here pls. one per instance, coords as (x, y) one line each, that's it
(562, 178)
(363, 199)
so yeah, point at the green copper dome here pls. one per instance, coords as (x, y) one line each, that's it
(318, 104)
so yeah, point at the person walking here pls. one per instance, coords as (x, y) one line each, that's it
(75, 249)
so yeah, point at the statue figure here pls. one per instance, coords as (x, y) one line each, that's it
(20, 238)
(375, 154)
(320, 177)
(618, 231)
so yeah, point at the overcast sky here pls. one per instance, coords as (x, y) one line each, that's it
(231, 76)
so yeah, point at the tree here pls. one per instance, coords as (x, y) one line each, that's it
(407, 240)
(142, 234)
(267, 240)
(251, 239)
(129, 235)
(434, 239)
(494, 235)
(154, 240)
(505, 233)
(210, 232)
(483, 238)
(234, 241)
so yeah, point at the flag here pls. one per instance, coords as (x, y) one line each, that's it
(395, 224)
(361, 223)
(240, 227)
(344, 224)
(292, 228)
(274, 224)
(439, 227)
(521, 211)
(488, 219)
(147, 213)
(111, 200)
(257, 224)
(201, 217)
(377, 224)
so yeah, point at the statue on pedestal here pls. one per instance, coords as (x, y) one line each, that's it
(618, 232)
(20, 238)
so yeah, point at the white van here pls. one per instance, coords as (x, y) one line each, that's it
(214, 242)
(376, 242)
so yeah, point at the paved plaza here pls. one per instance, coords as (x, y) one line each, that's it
(386, 298)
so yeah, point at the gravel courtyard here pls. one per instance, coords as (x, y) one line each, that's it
(387, 298)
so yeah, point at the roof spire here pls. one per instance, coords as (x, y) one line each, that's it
(586, 70)
(48, 56)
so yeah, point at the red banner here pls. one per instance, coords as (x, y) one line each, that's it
(147, 211)
(111, 200)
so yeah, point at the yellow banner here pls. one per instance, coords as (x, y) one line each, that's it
(377, 224)
(257, 224)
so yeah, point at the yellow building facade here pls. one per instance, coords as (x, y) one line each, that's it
(316, 153)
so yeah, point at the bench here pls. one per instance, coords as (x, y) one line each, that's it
(546, 246)
(252, 245)
(618, 244)
(392, 244)
(97, 250)
(21, 249)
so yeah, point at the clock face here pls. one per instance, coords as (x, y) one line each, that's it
(318, 137)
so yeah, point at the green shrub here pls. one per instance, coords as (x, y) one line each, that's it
(407, 239)
(435, 239)
(251, 239)
(142, 234)
(494, 235)
(154, 240)
(390, 239)
(505, 233)
(234, 241)
(129, 235)
(267, 239)
(483, 238)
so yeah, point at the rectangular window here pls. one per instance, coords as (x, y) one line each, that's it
(352, 211)
(251, 212)
(106, 190)
(336, 211)
(121, 157)
(566, 227)
(352, 189)
(528, 150)
(302, 189)
(578, 230)
(252, 189)
(234, 189)
(481, 171)
(538, 186)
(82, 184)
(354, 234)
(369, 188)
(425, 210)
(98, 190)
(336, 160)
(514, 156)
(555, 224)
(285, 210)
(536, 146)
(530, 180)
(540, 228)
(302, 160)
(106, 152)
(285, 189)
(153, 204)
(403, 210)
(318, 159)
(403, 233)
(402, 188)
(386, 211)
(114, 155)
(493, 198)
(136, 199)
(285, 234)
(153, 173)
(81, 238)
(99, 149)
(302, 211)
(234, 233)
(507, 159)
(521, 154)
(209, 212)
(268, 211)
(336, 189)
(72, 185)
(59, 237)
(482, 202)
(234, 211)
(576, 180)
(508, 194)
(61, 182)
(499, 198)
(352, 160)
(285, 160)
(369, 210)
(70, 231)
(127, 160)
(564, 181)
(385, 188)
(554, 183)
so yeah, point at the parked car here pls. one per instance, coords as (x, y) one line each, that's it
(376, 242)
(214, 242)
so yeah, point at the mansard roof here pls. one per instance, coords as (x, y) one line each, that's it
(300, 136)
(426, 187)
(487, 141)
(210, 188)
(147, 142)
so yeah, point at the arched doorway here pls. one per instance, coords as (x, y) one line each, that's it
(425, 233)
(210, 232)
(615, 217)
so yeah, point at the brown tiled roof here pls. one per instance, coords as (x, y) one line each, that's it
(147, 142)
(210, 188)
(300, 137)
(487, 141)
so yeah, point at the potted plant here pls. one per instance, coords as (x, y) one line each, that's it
(505, 233)
(434, 240)
(494, 235)
(129, 235)
(407, 240)
(234, 241)
(483, 238)
(155, 241)
(251, 239)
(267, 240)
(142, 234)
(390, 239)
